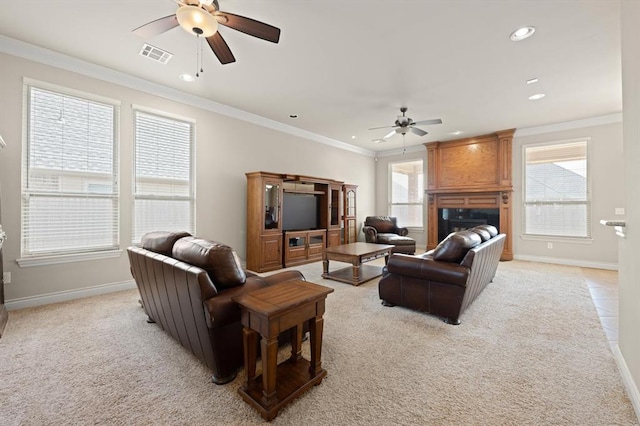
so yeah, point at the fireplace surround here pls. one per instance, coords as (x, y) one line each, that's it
(471, 180)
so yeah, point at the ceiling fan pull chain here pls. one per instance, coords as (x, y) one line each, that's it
(199, 68)
(201, 42)
(197, 55)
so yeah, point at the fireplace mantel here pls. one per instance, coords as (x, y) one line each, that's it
(471, 173)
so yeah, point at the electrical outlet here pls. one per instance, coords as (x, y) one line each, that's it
(620, 210)
(6, 277)
(549, 245)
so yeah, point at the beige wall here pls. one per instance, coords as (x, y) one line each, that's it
(607, 193)
(629, 276)
(226, 149)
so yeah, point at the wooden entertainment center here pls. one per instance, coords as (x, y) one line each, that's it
(292, 218)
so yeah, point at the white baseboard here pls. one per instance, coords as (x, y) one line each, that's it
(632, 388)
(63, 296)
(568, 262)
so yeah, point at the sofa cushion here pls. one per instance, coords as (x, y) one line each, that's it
(161, 241)
(219, 260)
(483, 233)
(455, 246)
(395, 239)
(492, 230)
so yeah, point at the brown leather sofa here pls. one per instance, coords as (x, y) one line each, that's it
(447, 279)
(186, 285)
(384, 230)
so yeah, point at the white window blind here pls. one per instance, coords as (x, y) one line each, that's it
(557, 199)
(70, 189)
(406, 189)
(163, 187)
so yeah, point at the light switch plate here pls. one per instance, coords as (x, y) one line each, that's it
(620, 210)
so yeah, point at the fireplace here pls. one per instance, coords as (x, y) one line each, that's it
(469, 183)
(453, 220)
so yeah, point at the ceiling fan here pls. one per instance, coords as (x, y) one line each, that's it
(201, 18)
(404, 124)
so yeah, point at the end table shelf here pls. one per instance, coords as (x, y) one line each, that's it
(268, 312)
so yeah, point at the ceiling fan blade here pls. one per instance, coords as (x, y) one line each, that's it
(417, 131)
(156, 27)
(378, 140)
(383, 127)
(388, 135)
(433, 121)
(220, 48)
(249, 26)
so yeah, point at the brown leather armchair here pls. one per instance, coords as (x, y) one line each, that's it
(384, 230)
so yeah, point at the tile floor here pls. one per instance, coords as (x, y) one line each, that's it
(603, 286)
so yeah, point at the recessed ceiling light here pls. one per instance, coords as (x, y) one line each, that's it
(353, 137)
(293, 116)
(522, 33)
(532, 80)
(457, 132)
(186, 77)
(536, 96)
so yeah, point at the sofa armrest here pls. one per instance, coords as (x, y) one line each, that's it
(428, 269)
(220, 310)
(403, 232)
(283, 276)
(250, 273)
(370, 234)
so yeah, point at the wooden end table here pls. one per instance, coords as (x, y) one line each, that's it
(270, 311)
(356, 254)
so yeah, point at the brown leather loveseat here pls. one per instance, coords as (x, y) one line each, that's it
(385, 230)
(447, 279)
(186, 285)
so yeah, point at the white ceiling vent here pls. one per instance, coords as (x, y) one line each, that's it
(155, 53)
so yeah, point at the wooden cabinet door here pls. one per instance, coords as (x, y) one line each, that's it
(316, 244)
(271, 252)
(349, 214)
(350, 231)
(295, 248)
(333, 238)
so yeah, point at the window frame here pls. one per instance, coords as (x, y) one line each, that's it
(192, 163)
(391, 204)
(588, 239)
(29, 258)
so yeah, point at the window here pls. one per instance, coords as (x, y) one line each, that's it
(556, 195)
(406, 189)
(69, 187)
(163, 183)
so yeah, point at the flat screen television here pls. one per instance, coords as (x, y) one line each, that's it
(299, 211)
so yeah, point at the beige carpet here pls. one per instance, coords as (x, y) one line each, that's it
(530, 351)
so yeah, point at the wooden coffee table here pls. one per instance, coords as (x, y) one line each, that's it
(356, 254)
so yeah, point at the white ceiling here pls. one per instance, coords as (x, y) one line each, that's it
(344, 66)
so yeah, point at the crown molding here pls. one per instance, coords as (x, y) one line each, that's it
(569, 125)
(399, 151)
(55, 59)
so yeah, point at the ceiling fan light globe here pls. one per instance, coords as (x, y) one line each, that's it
(196, 21)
